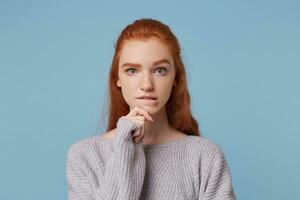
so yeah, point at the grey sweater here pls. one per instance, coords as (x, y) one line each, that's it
(190, 168)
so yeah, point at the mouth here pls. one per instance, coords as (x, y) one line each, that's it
(148, 100)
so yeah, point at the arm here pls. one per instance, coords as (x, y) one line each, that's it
(130, 159)
(218, 185)
(124, 174)
(79, 181)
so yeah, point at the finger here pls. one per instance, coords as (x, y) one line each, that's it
(136, 138)
(146, 114)
(137, 133)
(143, 132)
(143, 112)
(133, 112)
(137, 119)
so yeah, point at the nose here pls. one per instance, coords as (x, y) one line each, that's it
(147, 83)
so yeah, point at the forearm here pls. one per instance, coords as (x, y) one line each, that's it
(130, 159)
(123, 175)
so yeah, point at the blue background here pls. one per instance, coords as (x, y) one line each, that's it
(242, 62)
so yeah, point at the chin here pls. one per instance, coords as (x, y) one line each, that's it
(150, 109)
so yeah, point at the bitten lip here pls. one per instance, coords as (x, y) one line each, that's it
(147, 97)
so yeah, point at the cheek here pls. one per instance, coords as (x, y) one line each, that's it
(165, 90)
(129, 93)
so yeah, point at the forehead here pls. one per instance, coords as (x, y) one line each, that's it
(144, 51)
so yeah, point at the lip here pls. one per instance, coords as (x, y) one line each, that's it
(151, 102)
(147, 97)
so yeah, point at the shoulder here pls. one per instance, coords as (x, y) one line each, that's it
(204, 144)
(205, 153)
(204, 148)
(86, 147)
(76, 148)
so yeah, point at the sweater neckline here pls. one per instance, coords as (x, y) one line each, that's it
(166, 144)
(159, 145)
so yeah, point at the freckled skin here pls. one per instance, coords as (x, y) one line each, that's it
(148, 79)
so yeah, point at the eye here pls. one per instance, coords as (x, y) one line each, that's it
(161, 70)
(129, 69)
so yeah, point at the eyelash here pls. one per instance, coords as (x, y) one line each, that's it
(155, 69)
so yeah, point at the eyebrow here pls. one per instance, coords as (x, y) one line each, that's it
(154, 63)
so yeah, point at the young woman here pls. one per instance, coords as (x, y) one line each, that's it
(152, 148)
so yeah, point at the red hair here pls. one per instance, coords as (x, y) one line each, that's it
(178, 105)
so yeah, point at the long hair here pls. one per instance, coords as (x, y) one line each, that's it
(178, 105)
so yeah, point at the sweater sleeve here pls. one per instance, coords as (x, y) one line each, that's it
(218, 185)
(124, 172)
(130, 159)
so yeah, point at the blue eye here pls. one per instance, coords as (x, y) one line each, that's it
(161, 70)
(129, 69)
(164, 69)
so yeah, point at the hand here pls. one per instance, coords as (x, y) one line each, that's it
(139, 115)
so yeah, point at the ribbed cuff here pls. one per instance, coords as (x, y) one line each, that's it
(125, 128)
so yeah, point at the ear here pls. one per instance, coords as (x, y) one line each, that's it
(119, 83)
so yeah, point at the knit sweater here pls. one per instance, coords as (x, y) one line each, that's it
(190, 168)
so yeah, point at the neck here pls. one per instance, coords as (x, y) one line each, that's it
(159, 130)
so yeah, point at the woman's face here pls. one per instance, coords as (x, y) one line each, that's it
(146, 68)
